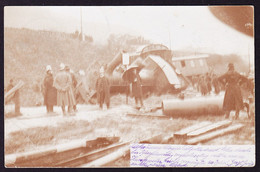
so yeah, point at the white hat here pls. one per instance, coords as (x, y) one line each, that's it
(102, 70)
(48, 67)
(81, 73)
(62, 66)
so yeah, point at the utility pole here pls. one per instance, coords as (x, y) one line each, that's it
(170, 38)
(82, 35)
(249, 70)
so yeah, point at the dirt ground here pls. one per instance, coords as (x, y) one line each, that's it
(37, 130)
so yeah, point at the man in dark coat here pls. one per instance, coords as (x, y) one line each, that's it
(74, 84)
(233, 99)
(208, 83)
(15, 98)
(202, 85)
(216, 84)
(137, 87)
(103, 89)
(10, 85)
(49, 92)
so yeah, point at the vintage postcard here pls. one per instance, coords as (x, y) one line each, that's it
(129, 86)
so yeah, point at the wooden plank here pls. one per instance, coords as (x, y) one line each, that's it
(185, 131)
(147, 115)
(211, 135)
(209, 128)
(108, 158)
(11, 92)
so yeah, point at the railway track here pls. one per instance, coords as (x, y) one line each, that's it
(94, 153)
(88, 159)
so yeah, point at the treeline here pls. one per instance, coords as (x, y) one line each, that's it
(219, 63)
(78, 35)
(126, 42)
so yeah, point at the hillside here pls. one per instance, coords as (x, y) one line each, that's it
(27, 52)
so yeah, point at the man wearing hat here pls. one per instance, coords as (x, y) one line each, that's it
(137, 87)
(63, 84)
(73, 86)
(233, 99)
(49, 92)
(103, 89)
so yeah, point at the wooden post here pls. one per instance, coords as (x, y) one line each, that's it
(14, 95)
(127, 93)
(17, 102)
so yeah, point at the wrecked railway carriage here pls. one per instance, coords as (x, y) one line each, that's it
(156, 70)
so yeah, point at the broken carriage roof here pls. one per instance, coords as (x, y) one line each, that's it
(166, 68)
(191, 57)
(141, 49)
(154, 47)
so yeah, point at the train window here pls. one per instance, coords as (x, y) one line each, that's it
(192, 63)
(201, 62)
(183, 63)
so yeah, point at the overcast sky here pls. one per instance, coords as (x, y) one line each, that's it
(177, 27)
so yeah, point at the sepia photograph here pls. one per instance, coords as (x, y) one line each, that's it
(129, 86)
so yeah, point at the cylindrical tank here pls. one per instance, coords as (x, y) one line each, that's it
(113, 64)
(193, 106)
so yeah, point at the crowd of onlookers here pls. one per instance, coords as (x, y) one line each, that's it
(66, 88)
(232, 82)
(207, 83)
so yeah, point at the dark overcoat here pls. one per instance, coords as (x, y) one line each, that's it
(49, 91)
(137, 86)
(102, 84)
(216, 85)
(203, 86)
(233, 98)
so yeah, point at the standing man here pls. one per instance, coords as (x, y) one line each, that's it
(233, 98)
(203, 85)
(15, 98)
(49, 92)
(216, 84)
(208, 83)
(63, 84)
(10, 85)
(103, 89)
(74, 84)
(137, 88)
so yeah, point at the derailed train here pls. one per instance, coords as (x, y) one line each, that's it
(157, 73)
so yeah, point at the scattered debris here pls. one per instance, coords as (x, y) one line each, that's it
(205, 131)
(185, 131)
(209, 128)
(214, 134)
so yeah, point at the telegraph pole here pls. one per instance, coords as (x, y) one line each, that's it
(249, 59)
(82, 35)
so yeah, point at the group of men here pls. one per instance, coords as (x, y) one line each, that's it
(60, 90)
(205, 84)
(103, 88)
(231, 82)
(64, 89)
